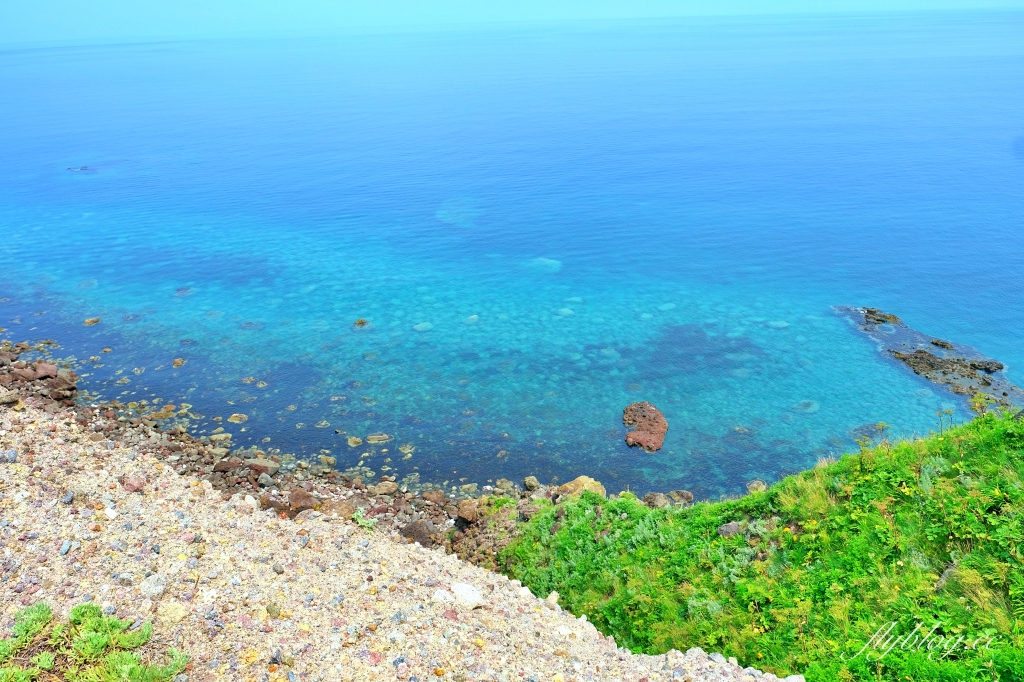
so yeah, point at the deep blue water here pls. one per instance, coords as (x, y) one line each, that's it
(541, 226)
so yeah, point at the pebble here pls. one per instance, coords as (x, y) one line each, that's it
(467, 595)
(153, 587)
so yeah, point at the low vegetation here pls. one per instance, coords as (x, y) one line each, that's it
(90, 647)
(910, 547)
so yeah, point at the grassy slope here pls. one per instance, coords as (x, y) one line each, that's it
(826, 557)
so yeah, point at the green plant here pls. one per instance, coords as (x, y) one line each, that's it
(980, 402)
(90, 647)
(913, 532)
(360, 518)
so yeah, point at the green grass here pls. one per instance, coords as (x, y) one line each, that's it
(824, 559)
(90, 647)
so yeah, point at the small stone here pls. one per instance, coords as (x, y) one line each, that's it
(273, 610)
(65, 547)
(420, 531)
(552, 599)
(339, 508)
(263, 466)
(656, 500)
(757, 486)
(384, 488)
(300, 500)
(154, 586)
(68, 498)
(354, 442)
(265, 481)
(727, 530)
(277, 568)
(45, 370)
(680, 496)
(531, 483)
(443, 596)
(171, 612)
(468, 511)
(238, 418)
(91, 321)
(435, 496)
(504, 484)
(467, 595)
(8, 456)
(580, 484)
(228, 464)
(134, 484)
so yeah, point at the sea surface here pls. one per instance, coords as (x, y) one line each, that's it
(538, 226)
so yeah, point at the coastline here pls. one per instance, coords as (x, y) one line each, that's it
(95, 510)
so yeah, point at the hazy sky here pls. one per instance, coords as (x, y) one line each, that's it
(38, 22)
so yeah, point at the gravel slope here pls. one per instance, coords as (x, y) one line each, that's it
(251, 596)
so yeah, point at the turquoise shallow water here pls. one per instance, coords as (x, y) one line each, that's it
(540, 226)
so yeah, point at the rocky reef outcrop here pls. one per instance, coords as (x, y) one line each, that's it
(960, 369)
(649, 426)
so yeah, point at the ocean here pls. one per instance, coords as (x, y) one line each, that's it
(484, 244)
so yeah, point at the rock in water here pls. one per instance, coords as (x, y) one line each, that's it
(547, 265)
(961, 369)
(649, 426)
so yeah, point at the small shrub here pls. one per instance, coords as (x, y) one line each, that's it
(91, 647)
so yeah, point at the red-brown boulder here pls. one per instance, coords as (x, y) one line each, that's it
(649, 426)
(300, 500)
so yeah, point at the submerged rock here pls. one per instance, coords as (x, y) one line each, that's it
(649, 425)
(757, 486)
(961, 369)
(548, 265)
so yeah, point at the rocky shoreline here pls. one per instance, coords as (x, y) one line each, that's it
(295, 488)
(292, 577)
